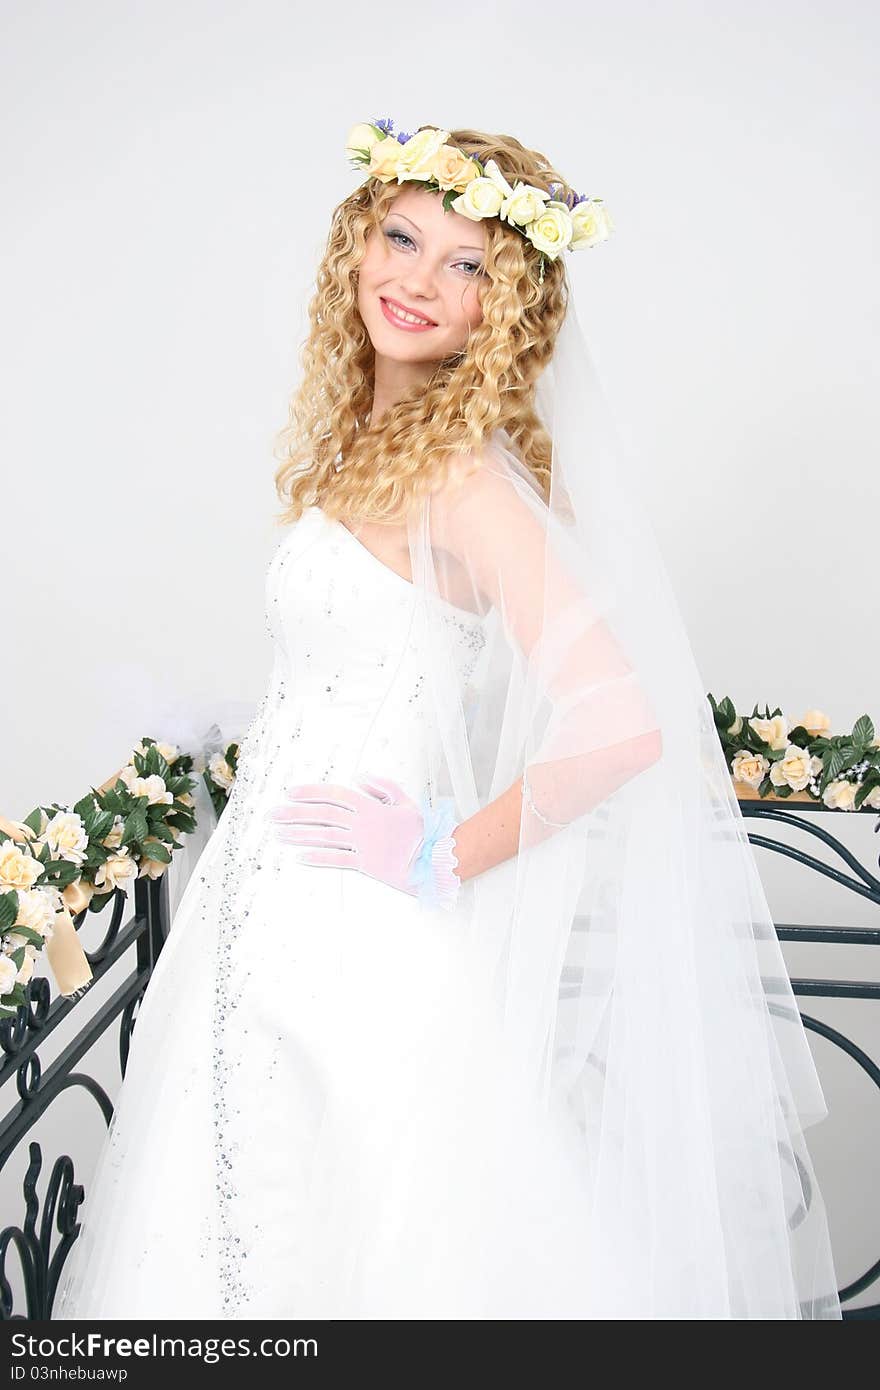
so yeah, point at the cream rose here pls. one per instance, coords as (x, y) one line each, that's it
(482, 198)
(591, 223)
(385, 159)
(793, 769)
(17, 869)
(35, 910)
(115, 873)
(773, 731)
(169, 751)
(152, 868)
(736, 726)
(551, 232)
(417, 154)
(8, 973)
(452, 169)
(221, 771)
(816, 723)
(524, 205)
(750, 768)
(66, 836)
(362, 137)
(113, 838)
(840, 796)
(153, 788)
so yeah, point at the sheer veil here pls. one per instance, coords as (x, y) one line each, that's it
(629, 951)
(634, 958)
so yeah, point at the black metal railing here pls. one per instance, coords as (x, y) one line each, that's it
(865, 885)
(44, 1239)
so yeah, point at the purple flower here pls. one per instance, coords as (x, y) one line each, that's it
(385, 123)
(403, 136)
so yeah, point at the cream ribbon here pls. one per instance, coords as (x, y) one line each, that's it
(64, 952)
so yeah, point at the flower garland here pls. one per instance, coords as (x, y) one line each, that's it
(475, 190)
(771, 756)
(60, 860)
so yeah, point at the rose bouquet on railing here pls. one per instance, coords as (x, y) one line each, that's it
(775, 758)
(60, 860)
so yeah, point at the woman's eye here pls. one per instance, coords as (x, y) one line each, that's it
(476, 265)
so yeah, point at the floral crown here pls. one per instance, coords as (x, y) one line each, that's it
(475, 190)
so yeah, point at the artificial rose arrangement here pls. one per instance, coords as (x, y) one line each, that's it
(776, 758)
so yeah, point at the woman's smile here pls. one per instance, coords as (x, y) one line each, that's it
(394, 312)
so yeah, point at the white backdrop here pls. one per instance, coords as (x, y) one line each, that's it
(168, 172)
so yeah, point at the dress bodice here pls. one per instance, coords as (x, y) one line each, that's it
(348, 692)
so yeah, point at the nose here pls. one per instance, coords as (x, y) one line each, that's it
(418, 283)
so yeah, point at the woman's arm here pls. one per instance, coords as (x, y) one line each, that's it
(493, 833)
(600, 729)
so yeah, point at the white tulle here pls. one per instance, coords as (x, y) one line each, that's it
(581, 1093)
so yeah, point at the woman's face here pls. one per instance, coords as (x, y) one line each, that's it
(430, 263)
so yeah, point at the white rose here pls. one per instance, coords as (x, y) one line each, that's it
(8, 973)
(221, 771)
(66, 836)
(35, 910)
(18, 869)
(481, 198)
(793, 769)
(128, 774)
(552, 229)
(839, 796)
(773, 731)
(591, 223)
(524, 204)
(750, 768)
(153, 788)
(115, 873)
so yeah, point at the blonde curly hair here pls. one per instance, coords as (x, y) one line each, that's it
(488, 385)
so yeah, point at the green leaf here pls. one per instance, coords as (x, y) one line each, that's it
(32, 937)
(8, 909)
(863, 731)
(152, 850)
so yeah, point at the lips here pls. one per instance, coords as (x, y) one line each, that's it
(405, 308)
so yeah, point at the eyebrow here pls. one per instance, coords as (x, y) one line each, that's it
(481, 249)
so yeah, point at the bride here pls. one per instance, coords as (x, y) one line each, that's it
(472, 1006)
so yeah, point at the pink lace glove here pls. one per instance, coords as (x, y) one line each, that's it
(379, 830)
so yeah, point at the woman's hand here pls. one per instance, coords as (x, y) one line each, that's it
(375, 828)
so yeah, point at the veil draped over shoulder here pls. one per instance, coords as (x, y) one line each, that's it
(635, 960)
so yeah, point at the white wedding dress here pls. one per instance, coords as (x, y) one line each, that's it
(318, 1117)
